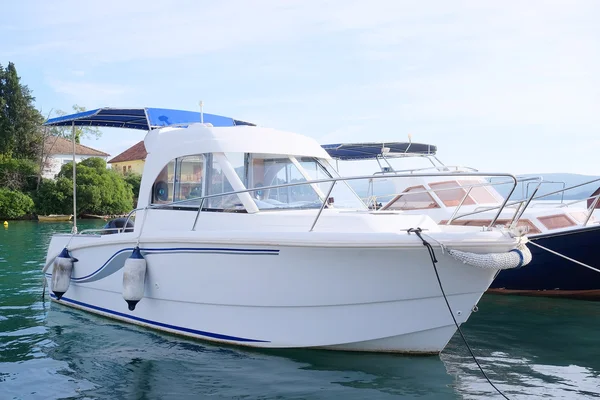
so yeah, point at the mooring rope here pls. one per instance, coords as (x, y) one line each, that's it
(434, 260)
(565, 257)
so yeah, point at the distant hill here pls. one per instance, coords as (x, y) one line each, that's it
(554, 182)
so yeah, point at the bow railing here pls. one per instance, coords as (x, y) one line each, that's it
(326, 202)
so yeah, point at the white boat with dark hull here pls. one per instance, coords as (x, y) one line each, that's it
(460, 198)
(247, 236)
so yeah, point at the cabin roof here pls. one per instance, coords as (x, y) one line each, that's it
(373, 150)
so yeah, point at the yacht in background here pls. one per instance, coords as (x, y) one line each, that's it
(460, 198)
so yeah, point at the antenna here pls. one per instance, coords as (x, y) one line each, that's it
(201, 112)
(409, 143)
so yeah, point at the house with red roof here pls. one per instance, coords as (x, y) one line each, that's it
(131, 160)
(59, 151)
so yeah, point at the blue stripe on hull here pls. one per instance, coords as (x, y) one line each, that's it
(550, 272)
(159, 325)
(169, 250)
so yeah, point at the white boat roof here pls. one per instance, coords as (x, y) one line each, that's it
(164, 145)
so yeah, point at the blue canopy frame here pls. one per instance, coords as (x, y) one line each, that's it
(370, 151)
(140, 118)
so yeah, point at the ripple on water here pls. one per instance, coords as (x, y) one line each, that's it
(34, 330)
(41, 379)
(530, 348)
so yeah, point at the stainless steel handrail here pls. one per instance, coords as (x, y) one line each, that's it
(350, 178)
(333, 182)
(546, 182)
(483, 184)
(437, 168)
(590, 211)
(322, 206)
(459, 205)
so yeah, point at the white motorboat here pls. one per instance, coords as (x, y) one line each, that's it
(247, 235)
(461, 198)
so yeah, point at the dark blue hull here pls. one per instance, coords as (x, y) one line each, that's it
(554, 275)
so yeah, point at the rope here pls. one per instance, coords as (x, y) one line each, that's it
(565, 257)
(137, 242)
(44, 289)
(417, 231)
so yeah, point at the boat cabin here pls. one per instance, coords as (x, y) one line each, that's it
(440, 197)
(217, 161)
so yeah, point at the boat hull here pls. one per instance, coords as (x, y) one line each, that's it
(285, 296)
(54, 218)
(553, 276)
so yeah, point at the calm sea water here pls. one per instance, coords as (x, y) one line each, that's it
(529, 347)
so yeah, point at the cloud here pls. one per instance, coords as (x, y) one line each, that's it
(457, 74)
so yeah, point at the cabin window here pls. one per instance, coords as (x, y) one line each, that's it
(413, 198)
(271, 171)
(186, 179)
(162, 190)
(481, 194)
(189, 178)
(581, 216)
(451, 193)
(556, 221)
(217, 183)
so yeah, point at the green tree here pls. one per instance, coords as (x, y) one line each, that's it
(14, 204)
(17, 174)
(54, 197)
(134, 180)
(99, 190)
(20, 134)
(4, 139)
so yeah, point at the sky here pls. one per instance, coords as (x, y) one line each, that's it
(508, 86)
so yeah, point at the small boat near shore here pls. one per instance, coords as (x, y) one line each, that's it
(247, 235)
(54, 218)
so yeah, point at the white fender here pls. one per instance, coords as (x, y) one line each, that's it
(61, 273)
(134, 278)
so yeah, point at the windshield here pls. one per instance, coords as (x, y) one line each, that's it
(281, 170)
(186, 179)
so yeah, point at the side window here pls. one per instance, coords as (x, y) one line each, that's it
(413, 198)
(189, 178)
(238, 162)
(280, 171)
(451, 193)
(481, 194)
(162, 190)
(556, 221)
(217, 183)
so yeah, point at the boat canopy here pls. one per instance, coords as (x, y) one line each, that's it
(367, 151)
(140, 118)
